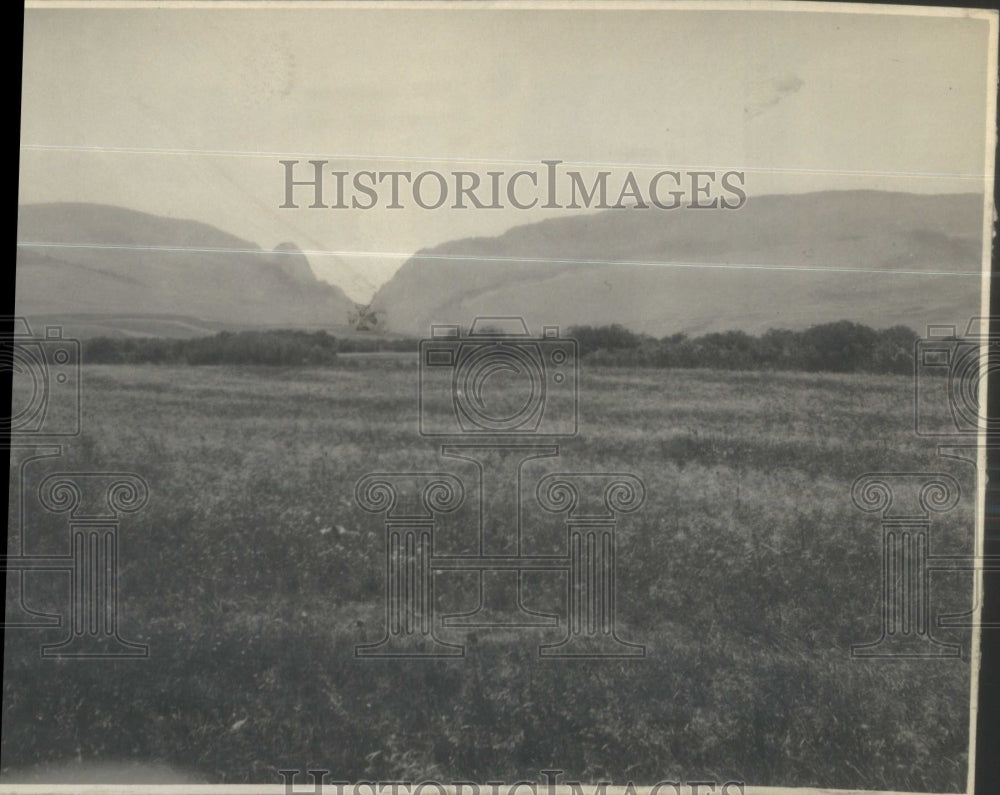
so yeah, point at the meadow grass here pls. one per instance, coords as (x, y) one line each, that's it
(748, 574)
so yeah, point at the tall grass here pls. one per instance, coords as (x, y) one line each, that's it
(748, 574)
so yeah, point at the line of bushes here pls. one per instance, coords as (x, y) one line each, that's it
(843, 347)
(831, 347)
(272, 347)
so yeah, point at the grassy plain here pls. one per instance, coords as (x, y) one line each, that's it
(747, 574)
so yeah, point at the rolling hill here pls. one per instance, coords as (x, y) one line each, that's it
(141, 274)
(865, 256)
(779, 262)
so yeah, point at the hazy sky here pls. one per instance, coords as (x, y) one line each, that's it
(802, 101)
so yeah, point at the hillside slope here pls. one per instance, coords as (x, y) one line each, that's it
(860, 255)
(146, 266)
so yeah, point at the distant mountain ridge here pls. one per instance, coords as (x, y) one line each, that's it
(865, 256)
(109, 262)
(778, 262)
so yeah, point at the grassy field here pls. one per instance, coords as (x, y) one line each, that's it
(252, 575)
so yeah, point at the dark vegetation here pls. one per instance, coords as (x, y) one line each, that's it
(843, 347)
(252, 574)
(273, 347)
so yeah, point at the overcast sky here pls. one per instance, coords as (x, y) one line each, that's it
(802, 101)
